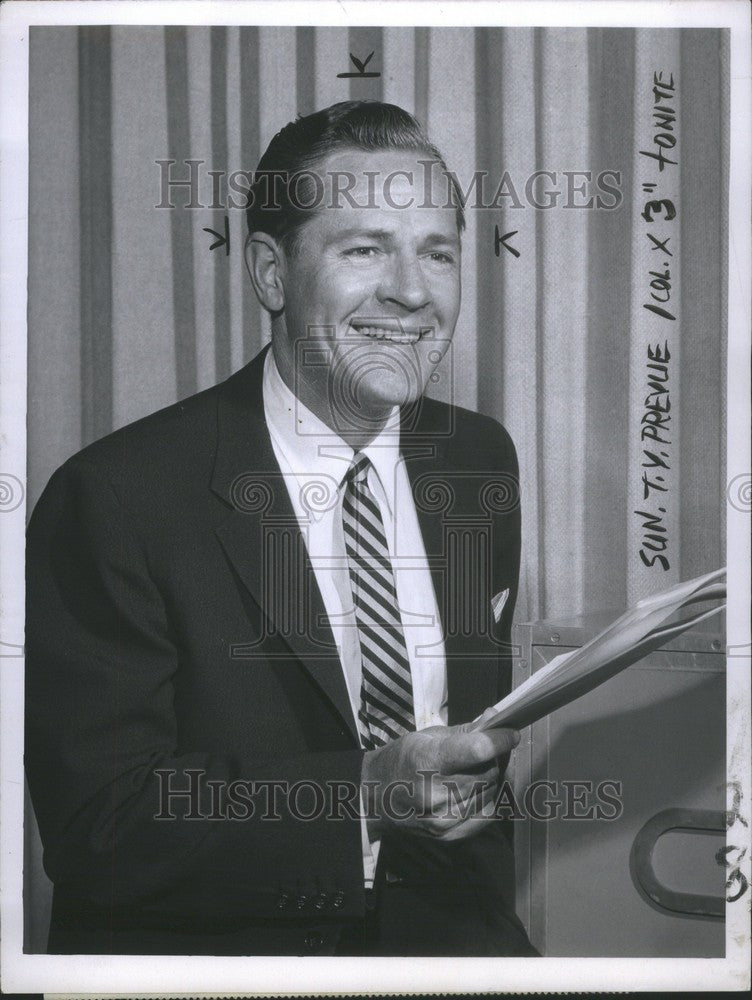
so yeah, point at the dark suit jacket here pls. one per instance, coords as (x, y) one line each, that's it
(175, 633)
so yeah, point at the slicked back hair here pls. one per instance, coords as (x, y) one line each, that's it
(285, 182)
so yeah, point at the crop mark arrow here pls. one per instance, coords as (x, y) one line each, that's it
(500, 241)
(361, 67)
(221, 241)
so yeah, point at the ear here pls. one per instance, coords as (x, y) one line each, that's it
(263, 259)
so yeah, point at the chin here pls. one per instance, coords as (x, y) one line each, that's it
(390, 392)
(373, 397)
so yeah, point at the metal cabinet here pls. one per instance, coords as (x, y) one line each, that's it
(628, 868)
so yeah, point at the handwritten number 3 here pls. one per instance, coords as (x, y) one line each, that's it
(658, 207)
(736, 875)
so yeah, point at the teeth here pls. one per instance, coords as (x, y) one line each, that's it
(396, 336)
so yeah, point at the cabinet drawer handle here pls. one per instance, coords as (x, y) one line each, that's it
(641, 860)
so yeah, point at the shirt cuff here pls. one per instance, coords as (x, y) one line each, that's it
(370, 848)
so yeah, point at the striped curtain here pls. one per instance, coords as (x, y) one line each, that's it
(130, 310)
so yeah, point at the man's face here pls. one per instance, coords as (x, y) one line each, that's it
(372, 294)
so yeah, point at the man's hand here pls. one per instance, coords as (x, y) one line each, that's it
(440, 782)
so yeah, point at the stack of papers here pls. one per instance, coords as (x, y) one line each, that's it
(641, 630)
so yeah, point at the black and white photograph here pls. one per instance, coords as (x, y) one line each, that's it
(374, 496)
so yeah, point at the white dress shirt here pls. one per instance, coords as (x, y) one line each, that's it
(314, 460)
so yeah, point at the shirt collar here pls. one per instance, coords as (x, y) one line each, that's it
(319, 458)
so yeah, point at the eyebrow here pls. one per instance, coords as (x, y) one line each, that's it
(357, 232)
(441, 239)
(360, 233)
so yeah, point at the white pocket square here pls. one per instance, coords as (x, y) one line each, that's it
(498, 602)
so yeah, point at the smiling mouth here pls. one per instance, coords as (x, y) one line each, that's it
(393, 330)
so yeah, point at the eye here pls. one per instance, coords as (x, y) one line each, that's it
(439, 257)
(362, 253)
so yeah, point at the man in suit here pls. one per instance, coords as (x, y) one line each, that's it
(261, 621)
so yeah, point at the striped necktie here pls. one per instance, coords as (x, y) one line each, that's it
(386, 691)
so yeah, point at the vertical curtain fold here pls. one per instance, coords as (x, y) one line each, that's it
(235, 221)
(306, 70)
(455, 135)
(422, 75)
(204, 263)
(248, 98)
(562, 256)
(508, 321)
(222, 338)
(142, 324)
(55, 384)
(399, 67)
(96, 169)
(703, 241)
(179, 142)
(608, 274)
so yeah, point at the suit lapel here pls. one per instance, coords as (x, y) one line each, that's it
(262, 539)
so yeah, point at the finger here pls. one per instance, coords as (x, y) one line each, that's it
(477, 813)
(460, 750)
(453, 798)
(473, 795)
(476, 724)
(468, 782)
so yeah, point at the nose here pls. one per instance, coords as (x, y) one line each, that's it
(404, 283)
